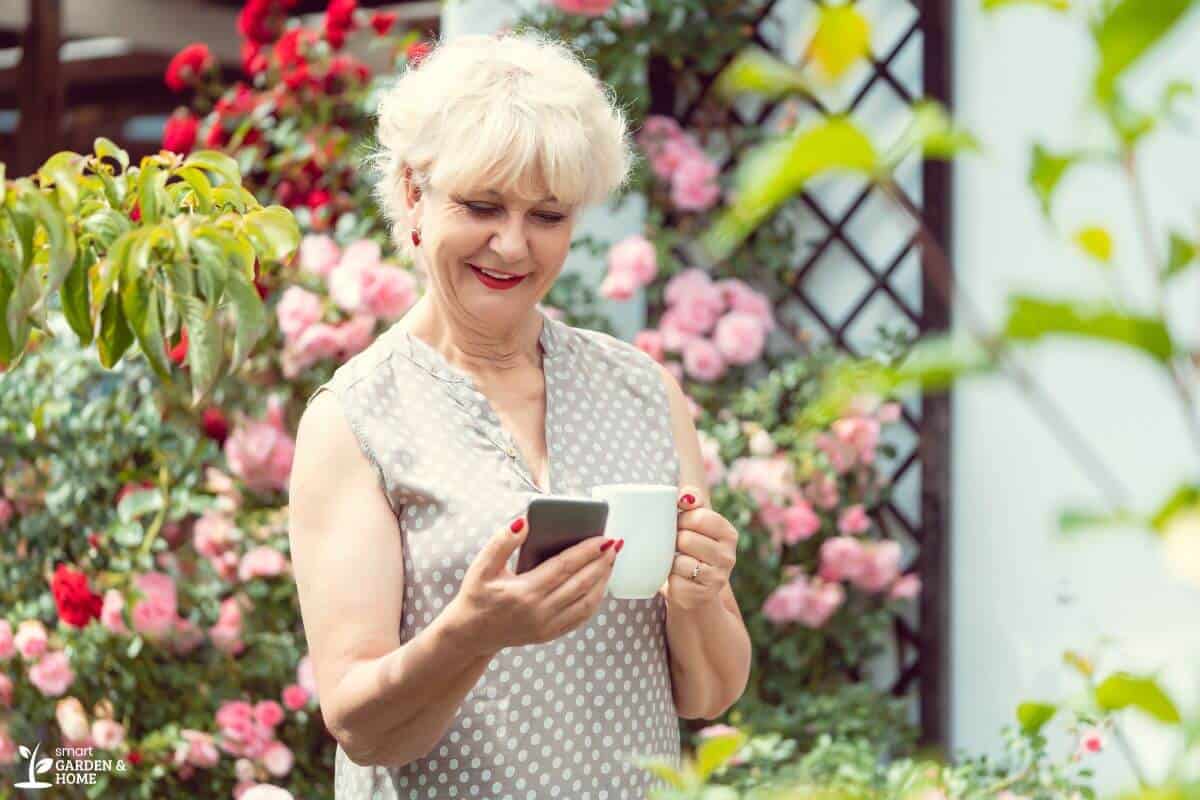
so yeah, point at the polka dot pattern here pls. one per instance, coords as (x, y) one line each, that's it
(559, 719)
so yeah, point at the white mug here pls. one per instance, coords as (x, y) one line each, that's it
(645, 516)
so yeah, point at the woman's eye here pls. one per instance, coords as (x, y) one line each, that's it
(487, 211)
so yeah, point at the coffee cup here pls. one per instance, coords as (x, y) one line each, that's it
(645, 516)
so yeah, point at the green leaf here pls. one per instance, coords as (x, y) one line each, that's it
(204, 346)
(935, 362)
(25, 294)
(1123, 690)
(755, 71)
(201, 187)
(1096, 241)
(1033, 716)
(1127, 30)
(1046, 171)
(843, 38)
(663, 769)
(217, 162)
(211, 270)
(153, 199)
(134, 647)
(7, 351)
(1074, 520)
(1055, 5)
(714, 752)
(76, 299)
(1032, 318)
(273, 231)
(1184, 497)
(1181, 253)
(60, 241)
(115, 336)
(106, 225)
(106, 148)
(234, 197)
(251, 318)
(139, 503)
(934, 134)
(139, 301)
(62, 169)
(1080, 663)
(778, 169)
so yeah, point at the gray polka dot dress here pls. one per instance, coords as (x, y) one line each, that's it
(559, 719)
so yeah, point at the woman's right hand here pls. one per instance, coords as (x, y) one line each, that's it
(496, 608)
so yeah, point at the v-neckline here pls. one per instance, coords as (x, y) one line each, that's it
(466, 392)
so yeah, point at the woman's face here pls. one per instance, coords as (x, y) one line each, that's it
(525, 238)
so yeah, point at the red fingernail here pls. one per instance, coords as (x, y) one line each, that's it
(517, 525)
(620, 544)
(607, 544)
(687, 498)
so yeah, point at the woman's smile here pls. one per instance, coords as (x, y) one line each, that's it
(492, 281)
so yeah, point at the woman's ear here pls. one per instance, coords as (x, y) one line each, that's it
(412, 192)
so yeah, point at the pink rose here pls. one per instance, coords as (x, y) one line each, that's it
(674, 336)
(261, 562)
(277, 758)
(710, 453)
(319, 254)
(52, 674)
(354, 277)
(618, 286)
(30, 639)
(243, 768)
(266, 791)
(157, 585)
(739, 296)
(906, 587)
(841, 558)
(295, 696)
(268, 713)
(693, 184)
(214, 533)
(108, 734)
(112, 613)
(841, 454)
(71, 718)
(7, 646)
(800, 522)
(363, 253)
(227, 632)
(8, 748)
(686, 282)
(260, 453)
(766, 479)
(319, 341)
(822, 491)
(740, 337)
(888, 412)
(822, 601)
(152, 617)
(388, 291)
(698, 307)
(197, 749)
(854, 519)
(306, 676)
(587, 8)
(635, 256)
(650, 342)
(355, 335)
(658, 126)
(241, 734)
(6, 691)
(1091, 740)
(702, 360)
(297, 309)
(860, 433)
(879, 566)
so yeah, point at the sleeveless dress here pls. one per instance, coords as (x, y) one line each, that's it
(563, 718)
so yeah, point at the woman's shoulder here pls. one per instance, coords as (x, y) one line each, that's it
(607, 348)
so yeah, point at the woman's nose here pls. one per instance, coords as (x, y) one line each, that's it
(509, 241)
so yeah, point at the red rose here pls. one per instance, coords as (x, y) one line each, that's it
(289, 50)
(336, 38)
(215, 424)
(344, 68)
(135, 213)
(179, 352)
(416, 52)
(297, 78)
(134, 757)
(179, 134)
(187, 66)
(317, 199)
(256, 22)
(216, 138)
(77, 604)
(243, 101)
(339, 15)
(286, 194)
(382, 21)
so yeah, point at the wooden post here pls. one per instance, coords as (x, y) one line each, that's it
(41, 89)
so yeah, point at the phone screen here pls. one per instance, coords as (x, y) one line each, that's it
(557, 523)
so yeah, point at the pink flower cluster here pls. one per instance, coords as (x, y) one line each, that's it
(360, 284)
(260, 452)
(248, 731)
(811, 602)
(632, 264)
(872, 566)
(49, 670)
(676, 156)
(103, 732)
(712, 324)
(852, 439)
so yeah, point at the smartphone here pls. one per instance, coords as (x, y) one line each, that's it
(556, 523)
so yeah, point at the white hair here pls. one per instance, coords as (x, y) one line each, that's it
(517, 112)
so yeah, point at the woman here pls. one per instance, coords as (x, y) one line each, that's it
(440, 672)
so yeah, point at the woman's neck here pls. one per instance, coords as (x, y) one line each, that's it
(487, 352)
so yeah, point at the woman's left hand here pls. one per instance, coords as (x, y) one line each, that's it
(705, 547)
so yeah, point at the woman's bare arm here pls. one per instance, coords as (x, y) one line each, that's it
(385, 703)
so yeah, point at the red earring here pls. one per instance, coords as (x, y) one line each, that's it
(416, 237)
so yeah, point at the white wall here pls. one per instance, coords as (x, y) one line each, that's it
(1021, 596)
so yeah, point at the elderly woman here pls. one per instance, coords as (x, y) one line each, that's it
(441, 672)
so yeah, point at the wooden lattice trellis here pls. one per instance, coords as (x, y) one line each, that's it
(874, 283)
